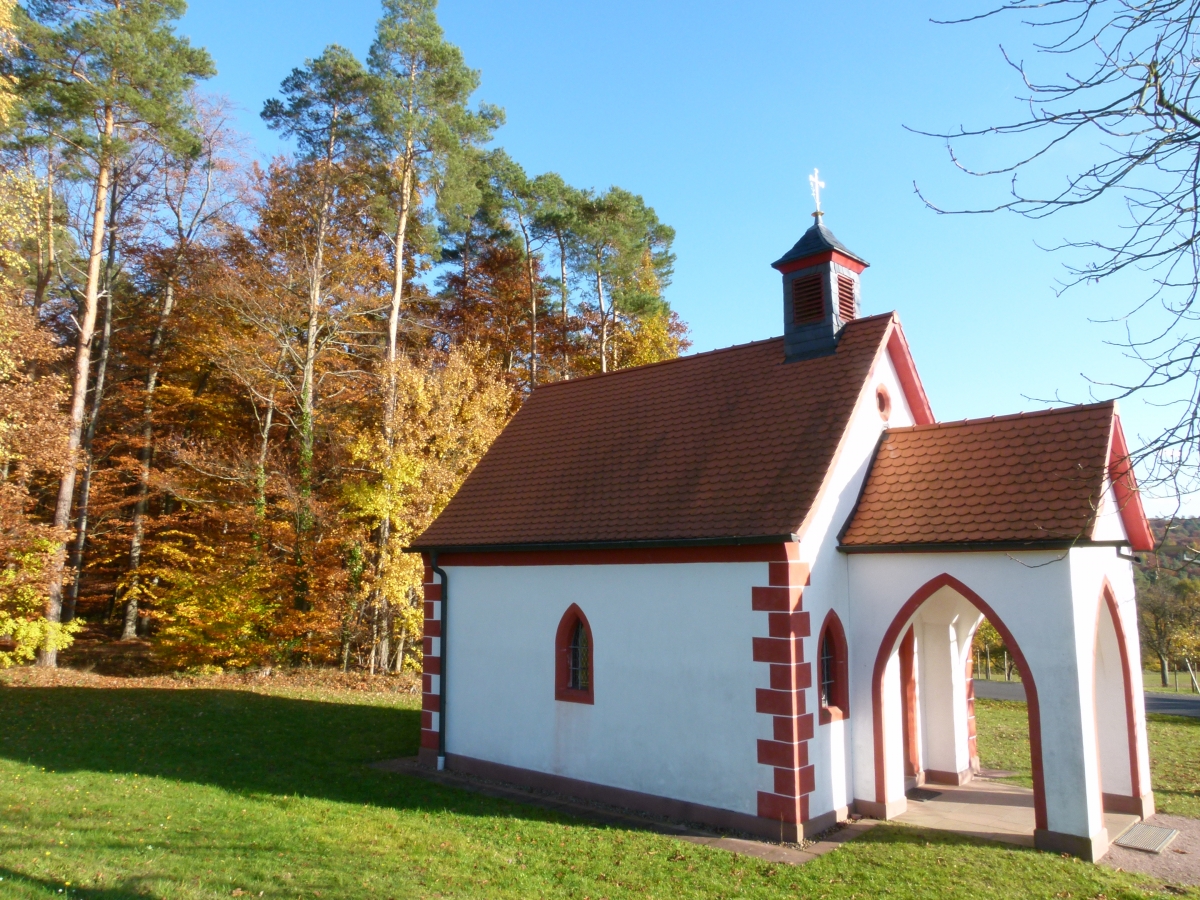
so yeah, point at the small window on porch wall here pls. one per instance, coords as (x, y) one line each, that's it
(833, 691)
(573, 673)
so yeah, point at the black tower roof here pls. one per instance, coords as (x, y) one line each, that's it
(817, 239)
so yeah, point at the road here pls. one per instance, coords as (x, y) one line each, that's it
(1172, 704)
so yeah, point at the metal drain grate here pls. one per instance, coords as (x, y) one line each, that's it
(920, 794)
(1149, 838)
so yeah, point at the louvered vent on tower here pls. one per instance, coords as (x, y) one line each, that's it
(808, 300)
(845, 298)
(820, 293)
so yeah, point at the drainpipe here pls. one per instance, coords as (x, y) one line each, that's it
(441, 760)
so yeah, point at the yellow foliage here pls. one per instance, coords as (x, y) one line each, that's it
(214, 605)
(32, 436)
(8, 40)
(451, 407)
(22, 625)
(650, 338)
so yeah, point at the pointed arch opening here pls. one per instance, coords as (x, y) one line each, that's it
(1121, 760)
(574, 652)
(833, 679)
(890, 646)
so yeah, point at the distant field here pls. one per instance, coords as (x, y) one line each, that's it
(123, 793)
(1002, 728)
(1153, 681)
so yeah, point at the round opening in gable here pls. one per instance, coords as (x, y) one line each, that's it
(883, 402)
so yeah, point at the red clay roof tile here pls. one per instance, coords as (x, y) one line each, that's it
(1032, 477)
(723, 445)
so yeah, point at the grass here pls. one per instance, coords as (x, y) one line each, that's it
(118, 793)
(1002, 728)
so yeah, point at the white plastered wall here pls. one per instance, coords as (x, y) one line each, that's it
(674, 681)
(1092, 568)
(830, 749)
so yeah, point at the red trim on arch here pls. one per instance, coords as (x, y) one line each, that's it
(906, 371)
(885, 651)
(908, 702)
(1125, 490)
(562, 662)
(1135, 771)
(839, 700)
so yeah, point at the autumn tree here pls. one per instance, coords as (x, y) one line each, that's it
(452, 406)
(32, 431)
(98, 75)
(324, 109)
(1169, 615)
(278, 375)
(196, 188)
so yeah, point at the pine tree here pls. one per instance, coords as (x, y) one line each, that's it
(421, 122)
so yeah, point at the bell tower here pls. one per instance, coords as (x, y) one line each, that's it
(821, 288)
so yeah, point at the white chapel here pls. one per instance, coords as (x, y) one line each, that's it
(741, 587)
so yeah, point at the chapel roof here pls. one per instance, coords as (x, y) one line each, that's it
(1021, 480)
(818, 239)
(727, 446)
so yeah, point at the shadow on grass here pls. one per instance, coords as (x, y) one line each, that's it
(239, 741)
(11, 881)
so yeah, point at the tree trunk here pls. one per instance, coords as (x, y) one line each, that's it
(562, 263)
(85, 488)
(397, 296)
(48, 656)
(260, 474)
(400, 641)
(146, 454)
(603, 324)
(45, 252)
(1162, 661)
(385, 636)
(304, 516)
(89, 435)
(524, 226)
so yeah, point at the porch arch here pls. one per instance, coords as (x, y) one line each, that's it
(1108, 603)
(888, 646)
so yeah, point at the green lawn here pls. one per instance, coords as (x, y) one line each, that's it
(1002, 728)
(119, 793)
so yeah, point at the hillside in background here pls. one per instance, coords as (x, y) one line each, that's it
(1180, 552)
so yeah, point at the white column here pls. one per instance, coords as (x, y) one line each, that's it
(946, 754)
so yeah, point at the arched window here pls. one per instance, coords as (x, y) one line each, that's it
(573, 671)
(833, 690)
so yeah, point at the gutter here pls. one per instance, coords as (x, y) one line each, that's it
(441, 759)
(976, 546)
(606, 545)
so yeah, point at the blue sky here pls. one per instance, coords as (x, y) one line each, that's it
(717, 112)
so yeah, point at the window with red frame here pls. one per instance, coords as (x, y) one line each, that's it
(573, 670)
(833, 692)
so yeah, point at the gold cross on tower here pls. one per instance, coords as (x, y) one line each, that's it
(816, 184)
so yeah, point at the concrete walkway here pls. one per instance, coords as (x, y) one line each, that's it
(1170, 704)
(986, 809)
